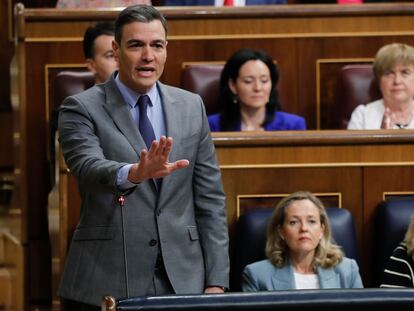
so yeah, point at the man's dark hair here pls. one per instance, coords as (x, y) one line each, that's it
(93, 32)
(137, 13)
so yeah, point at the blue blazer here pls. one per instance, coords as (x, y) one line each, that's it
(283, 121)
(264, 276)
(211, 2)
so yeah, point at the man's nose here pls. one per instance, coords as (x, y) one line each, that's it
(147, 53)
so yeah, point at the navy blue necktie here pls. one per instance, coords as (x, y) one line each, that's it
(144, 124)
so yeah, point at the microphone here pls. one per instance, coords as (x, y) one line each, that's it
(121, 202)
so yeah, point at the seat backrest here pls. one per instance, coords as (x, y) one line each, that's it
(251, 238)
(203, 79)
(65, 83)
(68, 83)
(356, 85)
(392, 219)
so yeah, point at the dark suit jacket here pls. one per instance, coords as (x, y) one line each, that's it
(187, 219)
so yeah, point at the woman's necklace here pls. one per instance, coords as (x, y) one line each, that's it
(402, 119)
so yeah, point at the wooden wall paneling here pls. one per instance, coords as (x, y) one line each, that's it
(18, 205)
(266, 181)
(6, 141)
(6, 54)
(246, 202)
(295, 19)
(308, 50)
(13, 261)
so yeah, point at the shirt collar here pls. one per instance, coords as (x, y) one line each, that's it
(131, 96)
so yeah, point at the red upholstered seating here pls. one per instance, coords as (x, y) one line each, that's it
(203, 79)
(356, 85)
(69, 83)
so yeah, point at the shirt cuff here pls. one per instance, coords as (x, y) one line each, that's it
(122, 181)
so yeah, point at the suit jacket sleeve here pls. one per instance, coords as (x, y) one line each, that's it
(82, 146)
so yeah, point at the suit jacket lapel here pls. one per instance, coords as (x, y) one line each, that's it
(118, 111)
(283, 278)
(171, 114)
(172, 118)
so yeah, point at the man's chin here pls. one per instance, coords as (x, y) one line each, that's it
(144, 85)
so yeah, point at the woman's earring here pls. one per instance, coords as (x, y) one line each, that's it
(235, 100)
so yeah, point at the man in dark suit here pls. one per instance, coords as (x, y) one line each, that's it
(174, 205)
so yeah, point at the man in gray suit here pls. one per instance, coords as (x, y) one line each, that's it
(174, 206)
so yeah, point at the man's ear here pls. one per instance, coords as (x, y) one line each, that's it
(90, 63)
(115, 48)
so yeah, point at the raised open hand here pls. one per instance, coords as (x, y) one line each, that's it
(154, 163)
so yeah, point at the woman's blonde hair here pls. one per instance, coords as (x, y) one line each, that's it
(409, 238)
(327, 253)
(390, 55)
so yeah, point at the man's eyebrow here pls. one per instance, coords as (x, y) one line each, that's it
(134, 41)
(158, 41)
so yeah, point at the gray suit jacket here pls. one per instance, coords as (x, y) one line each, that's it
(264, 276)
(98, 136)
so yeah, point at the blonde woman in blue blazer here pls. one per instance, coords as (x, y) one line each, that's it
(300, 252)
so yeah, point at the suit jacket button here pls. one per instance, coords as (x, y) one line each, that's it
(153, 242)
